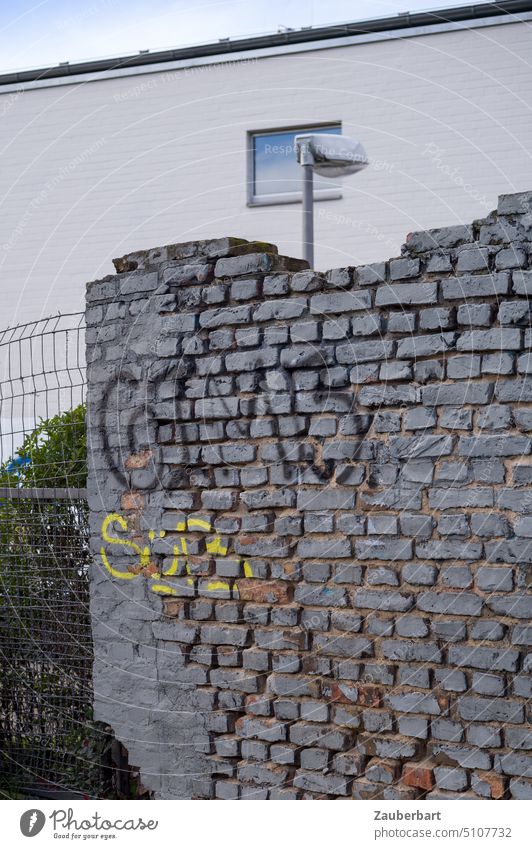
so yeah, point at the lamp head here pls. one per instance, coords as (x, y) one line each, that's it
(330, 155)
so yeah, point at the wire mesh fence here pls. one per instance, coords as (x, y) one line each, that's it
(49, 743)
(42, 374)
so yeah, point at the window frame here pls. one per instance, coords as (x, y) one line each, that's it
(285, 197)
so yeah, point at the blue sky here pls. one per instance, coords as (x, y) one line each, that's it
(36, 33)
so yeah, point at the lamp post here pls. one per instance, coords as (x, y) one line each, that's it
(328, 156)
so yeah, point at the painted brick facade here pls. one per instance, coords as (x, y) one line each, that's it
(96, 167)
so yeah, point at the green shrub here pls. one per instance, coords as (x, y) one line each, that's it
(54, 454)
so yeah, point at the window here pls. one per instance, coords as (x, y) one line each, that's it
(274, 174)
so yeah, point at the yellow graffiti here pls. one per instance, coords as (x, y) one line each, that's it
(212, 586)
(160, 588)
(214, 545)
(203, 524)
(115, 517)
(175, 560)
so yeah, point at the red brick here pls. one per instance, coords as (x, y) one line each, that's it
(271, 592)
(172, 607)
(417, 775)
(497, 784)
(132, 501)
(369, 695)
(343, 693)
(140, 460)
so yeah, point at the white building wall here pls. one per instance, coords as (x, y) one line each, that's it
(93, 170)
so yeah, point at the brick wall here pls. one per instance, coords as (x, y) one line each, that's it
(310, 503)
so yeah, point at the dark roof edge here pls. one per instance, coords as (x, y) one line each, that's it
(227, 46)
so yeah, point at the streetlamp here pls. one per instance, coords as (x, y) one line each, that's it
(329, 156)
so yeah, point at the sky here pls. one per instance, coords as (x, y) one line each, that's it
(38, 33)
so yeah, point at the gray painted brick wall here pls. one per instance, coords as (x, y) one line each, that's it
(310, 506)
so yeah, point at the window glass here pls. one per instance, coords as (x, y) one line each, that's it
(275, 167)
